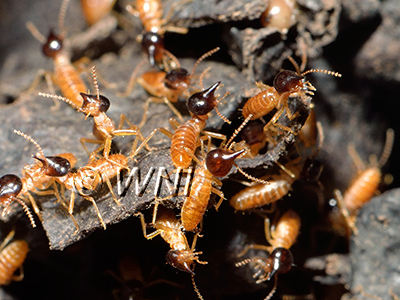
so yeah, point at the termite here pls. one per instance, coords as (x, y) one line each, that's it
(280, 259)
(150, 13)
(88, 178)
(12, 256)
(280, 184)
(104, 128)
(286, 84)
(280, 14)
(165, 87)
(40, 176)
(253, 138)
(95, 10)
(180, 256)
(10, 187)
(186, 137)
(365, 185)
(65, 75)
(217, 163)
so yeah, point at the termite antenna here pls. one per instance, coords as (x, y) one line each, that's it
(25, 208)
(95, 82)
(237, 131)
(61, 17)
(202, 77)
(46, 95)
(387, 150)
(295, 64)
(248, 176)
(204, 56)
(248, 260)
(272, 292)
(336, 74)
(225, 119)
(29, 138)
(35, 32)
(196, 289)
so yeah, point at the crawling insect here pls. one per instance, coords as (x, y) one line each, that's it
(12, 256)
(95, 10)
(280, 184)
(364, 186)
(91, 176)
(165, 87)
(104, 128)
(10, 188)
(280, 259)
(181, 256)
(150, 13)
(217, 163)
(65, 75)
(280, 14)
(286, 84)
(186, 137)
(40, 176)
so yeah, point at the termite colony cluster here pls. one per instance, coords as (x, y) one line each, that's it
(199, 157)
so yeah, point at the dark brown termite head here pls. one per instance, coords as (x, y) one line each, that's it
(10, 186)
(94, 105)
(288, 81)
(177, 79)
(201, 103)
(55, 165)
(181, 259)
(53, 45)
(220, 161)
(253, 132)
(281, 261)
(153, 45)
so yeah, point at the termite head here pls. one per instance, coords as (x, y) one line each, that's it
(181, 259)
(10, 186)
(153, 45)
(93, 105)
(53, 45)
(288, 81)
(220, 161)
(281, 261)
(177, 79)
(55, 165)
(253, 132)
(203, 102)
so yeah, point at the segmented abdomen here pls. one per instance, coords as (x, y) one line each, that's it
(261, 104)
(11, 258)
(185, 136)
(362, 190)
(196, 204)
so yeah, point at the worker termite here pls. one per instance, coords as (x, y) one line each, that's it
(165, 87)
(280, 259)
(286, 84)
(65, 75)
(88, 178)
(364, 186)
(104, 128)
(280, 184)
(150, 13)
(12, 256)
(280, 14)
(180, 256)
(40, 176)
(95, 10)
